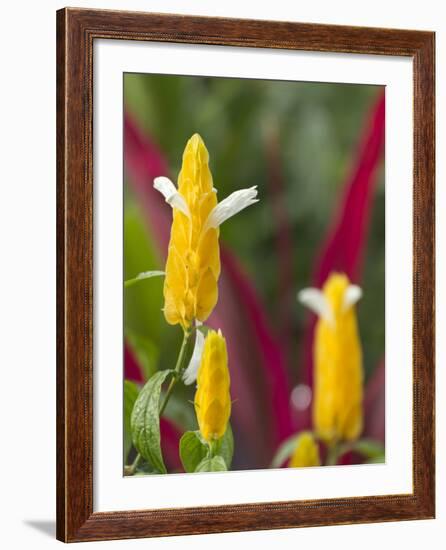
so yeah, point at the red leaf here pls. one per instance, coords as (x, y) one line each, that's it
(374, 404)
(263, 360)
(344, 246)
(170, 438)
(132, 370)
(142, 163)
(283, 235)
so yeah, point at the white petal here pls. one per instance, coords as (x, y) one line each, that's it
(314, 299)
(352, 295)
(190, 374)
(167, 188)
(230, 206)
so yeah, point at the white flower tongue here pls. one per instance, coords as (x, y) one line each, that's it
(230, 206)
(314, 300)
(191, 372)
(351, 296)
(167, 188)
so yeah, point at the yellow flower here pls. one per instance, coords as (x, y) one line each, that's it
(193, 261)
(338, 374)
(306, 452)
(212, 398)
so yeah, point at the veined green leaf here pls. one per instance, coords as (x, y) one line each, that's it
(142, 276)
(225, 447)
(192, 450)
(146, 469)
(131, 391)
(145, 422)
(214, 464)
(285, 451)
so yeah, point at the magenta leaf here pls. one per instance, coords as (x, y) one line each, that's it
(142, 163)
(374, 404)
(283, 240)
(170, 438)
(343, 249)
(344, 246)
(132, 370)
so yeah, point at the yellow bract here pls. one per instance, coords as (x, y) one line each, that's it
(306, 452)
(212, 398)
(193, 261)
(337, 404)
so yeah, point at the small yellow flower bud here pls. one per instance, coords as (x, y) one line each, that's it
(212, 398)
(306, 452)
(338, 392)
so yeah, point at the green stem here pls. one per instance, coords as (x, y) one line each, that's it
(336, 450)
(333, 454)
(130, 470)
(212, 448)
(178, 369)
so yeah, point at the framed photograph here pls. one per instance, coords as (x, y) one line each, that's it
(245, 275)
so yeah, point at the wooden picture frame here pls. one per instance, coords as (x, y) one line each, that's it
(77, 29)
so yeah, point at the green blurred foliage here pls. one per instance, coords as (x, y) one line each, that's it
(317, 126)
(144, 322)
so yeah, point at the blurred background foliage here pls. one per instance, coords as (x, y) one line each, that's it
(297, 141)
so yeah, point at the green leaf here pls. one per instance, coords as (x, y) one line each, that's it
(142, 302)
(131, 391)
(142, 276)
(146, 352)
(370, 448)
(146, 469)
(214, 464)
(376, 459)
(145, 422)
(204, 329)
(285, 451)
(192, 450)
(225, 447)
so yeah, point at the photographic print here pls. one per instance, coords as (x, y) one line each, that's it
(245, 275)
(254, 271)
